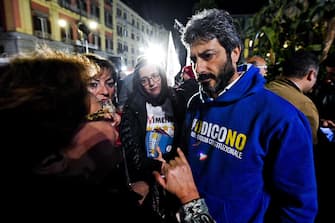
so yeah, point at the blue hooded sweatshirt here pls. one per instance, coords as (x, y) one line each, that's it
(251, 154)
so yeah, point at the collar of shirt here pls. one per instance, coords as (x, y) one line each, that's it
(241, 73)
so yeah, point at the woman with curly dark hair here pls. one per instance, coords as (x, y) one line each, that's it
(44, 102)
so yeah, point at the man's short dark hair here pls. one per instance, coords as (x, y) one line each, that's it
(299, 64)
(212, 23)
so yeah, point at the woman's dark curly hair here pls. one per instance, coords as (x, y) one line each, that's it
(43, 101)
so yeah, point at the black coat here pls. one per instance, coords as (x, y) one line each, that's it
(133, 132)
(74, 189)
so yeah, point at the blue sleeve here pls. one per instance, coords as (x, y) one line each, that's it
(293, 176)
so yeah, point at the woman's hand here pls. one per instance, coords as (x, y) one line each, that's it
(116, 119)
(160, 155)
(141, 188)
(327, 123)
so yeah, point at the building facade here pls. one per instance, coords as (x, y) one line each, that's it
(109, 28)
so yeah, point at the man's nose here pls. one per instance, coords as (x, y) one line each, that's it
(200, 66)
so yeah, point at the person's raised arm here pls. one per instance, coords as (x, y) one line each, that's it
(177, 178)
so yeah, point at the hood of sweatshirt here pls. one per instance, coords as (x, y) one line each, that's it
(253, 82)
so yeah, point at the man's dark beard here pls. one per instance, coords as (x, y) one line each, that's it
(221, 81)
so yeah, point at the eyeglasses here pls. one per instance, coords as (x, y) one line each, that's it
(262, 66)
(145, 81)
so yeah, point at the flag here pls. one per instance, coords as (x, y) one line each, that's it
(172, 62)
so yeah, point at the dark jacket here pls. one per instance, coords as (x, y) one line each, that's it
(133, 132)
(80, 189)
(183, 93)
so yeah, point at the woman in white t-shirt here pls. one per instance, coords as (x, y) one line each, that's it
(148, 120)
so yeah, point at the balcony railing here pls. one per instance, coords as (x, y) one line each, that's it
(43, 35)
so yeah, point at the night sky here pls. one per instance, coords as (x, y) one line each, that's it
(165, 11)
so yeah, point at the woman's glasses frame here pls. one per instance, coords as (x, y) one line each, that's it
(145, 81)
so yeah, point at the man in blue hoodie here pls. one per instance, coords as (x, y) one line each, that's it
(250, 151)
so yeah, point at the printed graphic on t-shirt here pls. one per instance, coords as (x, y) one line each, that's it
(160, 131)
(160, 138)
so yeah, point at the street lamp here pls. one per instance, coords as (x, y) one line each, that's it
(63, 24)
(92, 25)
(85, 31)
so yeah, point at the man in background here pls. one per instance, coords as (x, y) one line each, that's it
(260, 63)
(299, 75)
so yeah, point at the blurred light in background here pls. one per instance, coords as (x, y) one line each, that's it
(168, 58)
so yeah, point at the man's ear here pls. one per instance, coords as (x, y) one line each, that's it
(311, 75)
(235, 54)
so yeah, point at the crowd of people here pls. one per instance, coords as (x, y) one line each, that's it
(223, 146)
